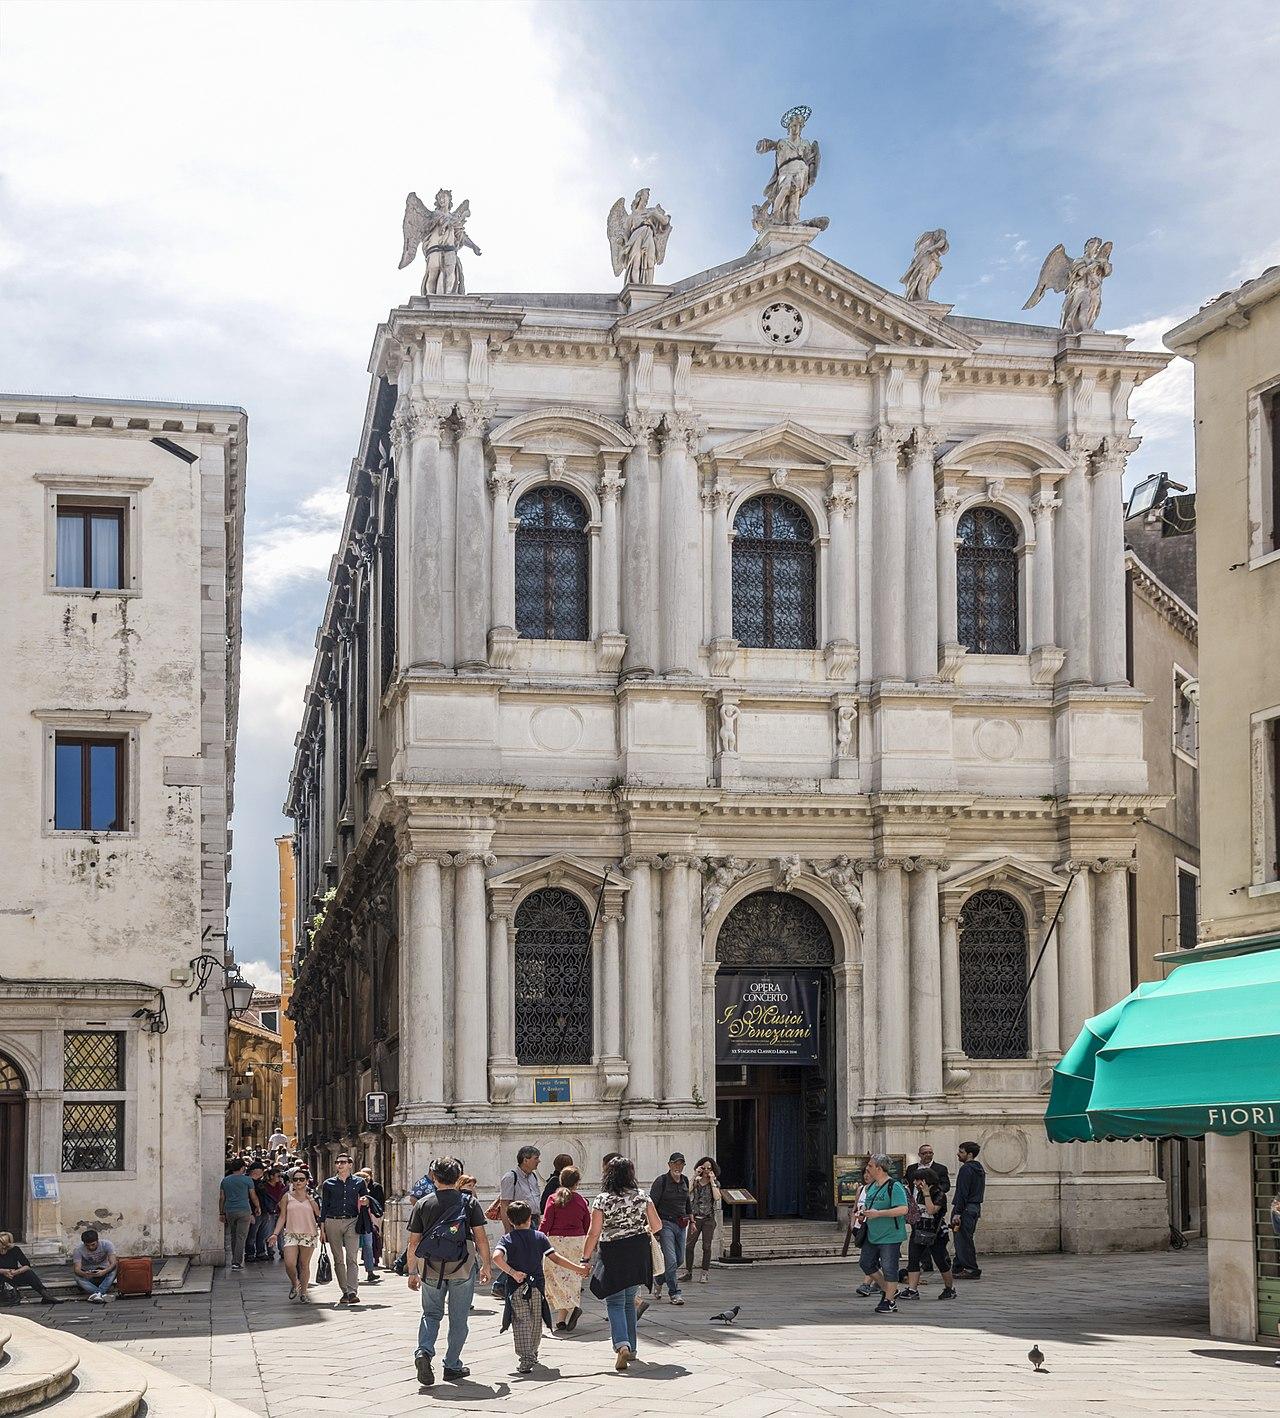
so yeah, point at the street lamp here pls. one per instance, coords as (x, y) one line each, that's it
(236, 990)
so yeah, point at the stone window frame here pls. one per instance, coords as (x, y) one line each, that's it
(1180, 866)
(117, 490)
(124, 724)
(573, 480)
(1264, 548)
(126, 1098)
(1016, 516)
(1264, 800)
(1181, 679)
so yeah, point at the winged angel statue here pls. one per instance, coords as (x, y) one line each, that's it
(441, 233)
(1081, 280)
(638, 238)
(795, 170)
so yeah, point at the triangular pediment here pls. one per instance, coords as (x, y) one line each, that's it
(841, 311)
(783, 445)
(1030, 876)
(560, 870)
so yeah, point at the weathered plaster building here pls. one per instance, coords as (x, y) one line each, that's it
(288, 941)
(255, 1073)
(763, 624)
(120, 556)
(1234, 342)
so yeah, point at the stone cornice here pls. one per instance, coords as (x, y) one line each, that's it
(1161, 599)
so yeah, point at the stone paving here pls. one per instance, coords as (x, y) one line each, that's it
(1123, 1336)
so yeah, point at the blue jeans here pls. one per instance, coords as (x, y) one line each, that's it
(966, 1255)
(622, 1317)
(366, 1252)
(458, 1293)
(671, 1239)
(881, 1259)
(97, 1287)
(262, 1227)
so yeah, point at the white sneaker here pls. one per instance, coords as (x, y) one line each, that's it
(702, 1278)
(96, 1299)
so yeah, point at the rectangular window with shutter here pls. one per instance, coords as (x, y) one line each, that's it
(1188, 908)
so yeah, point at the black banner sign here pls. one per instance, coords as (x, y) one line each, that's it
(767, 1016)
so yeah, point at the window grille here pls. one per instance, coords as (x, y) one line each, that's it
(774, 928)
(92, 1061)
(1188, 909)
(552, 566)
(774, 575)
(987, 582)
(92, 1137)
(993, 977)
(553, 979)
(10, 1078)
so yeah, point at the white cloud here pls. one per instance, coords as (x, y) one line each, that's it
(293, 547)
(261, 975)
(273, 676)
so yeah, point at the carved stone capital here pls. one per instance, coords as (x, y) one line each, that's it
(642, 426)
(1109, 864)
(841, 659)
(1112, 454)
(473, 416)
(1043, 504)
(926, 440)
(611, 484)
(685, 430)
(633, 860)
(887, 440)
(485, 859)
(1079, 447)
(842, 498)
(500, 484)
(947, 503)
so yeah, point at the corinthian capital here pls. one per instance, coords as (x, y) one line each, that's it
(473, 416)
(888, 439)
(1112, 454)
(925, 441)
(685, 429)
(947, 503)
(642, 425)
(1043, 504)
(611, 485)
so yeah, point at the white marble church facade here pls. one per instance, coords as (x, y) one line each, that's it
(899, 686)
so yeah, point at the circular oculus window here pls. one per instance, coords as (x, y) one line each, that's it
(782, 323)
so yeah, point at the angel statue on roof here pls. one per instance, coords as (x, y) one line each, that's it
(1081, 280)
(441, 233)
(638, 238)
(795, 170)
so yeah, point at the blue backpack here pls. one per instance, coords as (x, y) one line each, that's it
(445, 1244)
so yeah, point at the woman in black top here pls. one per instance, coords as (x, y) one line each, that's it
(15, 1271)
(928, 1235)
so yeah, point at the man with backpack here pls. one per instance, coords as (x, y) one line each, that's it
(446, 1239)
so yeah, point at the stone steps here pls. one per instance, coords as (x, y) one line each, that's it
(785, 1240)
(48, 1373)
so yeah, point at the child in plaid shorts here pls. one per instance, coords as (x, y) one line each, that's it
(520, 1255)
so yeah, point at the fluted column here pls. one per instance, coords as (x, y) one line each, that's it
(922, 539)
(638, 1001)
(611, 987)
(952, 1046)
(842, 577)
(1111, 932)
(640, 614)
(947, 509)
(891, 552)
(501, 566)
(1043, 505)
(926, 981)
(892, 972)
(677, 1006)
(421, 569)
(1045, 1005)
(471, 589)
(680, 549)
(1108, 612)
(1072, 614)
(422, 1023)
(1075, 955)
(470, 979)
(611, 485)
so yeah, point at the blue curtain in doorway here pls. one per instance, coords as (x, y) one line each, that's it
(786, 1154)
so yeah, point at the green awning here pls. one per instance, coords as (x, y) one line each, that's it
(1196, 1053)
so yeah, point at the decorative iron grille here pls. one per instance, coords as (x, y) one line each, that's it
(92, 1061)
(993, 977)
(552, 568)
(987, 582)
(553, 979)
(774, 928)
(387, 589)
(774, 575)
(92, 1137)
(10, 1078)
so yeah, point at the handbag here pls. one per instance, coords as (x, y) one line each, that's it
(493, 1212)
(324, 1267)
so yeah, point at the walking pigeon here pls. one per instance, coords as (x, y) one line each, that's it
(727, 1316)
(1036, 1357)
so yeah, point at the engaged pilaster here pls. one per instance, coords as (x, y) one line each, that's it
(926, 980)
(470, 979)
(890, 581)
(950, 652)
(502, 1054)
(640, 616)
(639, 1002)
(471, 596)
(892, 975)
(842, 607)
(610, 644)
(677, 1004)
(723, 645)
(1112, 971)
(418, 436)
(1076, 995)
(422, 1022)
(1108, 618)
(680, 548)
(922, 538)
(502, 635)
(1074, 566)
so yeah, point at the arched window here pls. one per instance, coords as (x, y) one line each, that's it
(987, 582)
(552, 569)
(993, 977)
(553, 979)
(773, 575)
(774, 928)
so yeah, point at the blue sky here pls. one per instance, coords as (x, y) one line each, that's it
(202, 201)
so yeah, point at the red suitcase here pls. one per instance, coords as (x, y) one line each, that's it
(133, 1275)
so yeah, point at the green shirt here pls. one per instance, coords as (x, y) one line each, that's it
(884, 1196)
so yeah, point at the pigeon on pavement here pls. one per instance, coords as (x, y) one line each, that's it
(727, 1316)
(1036, 1357)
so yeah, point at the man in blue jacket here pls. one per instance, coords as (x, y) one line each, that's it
(342, 1198)
(966, 1208)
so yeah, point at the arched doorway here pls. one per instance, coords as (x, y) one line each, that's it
(775, 1132)
(13, 1145)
